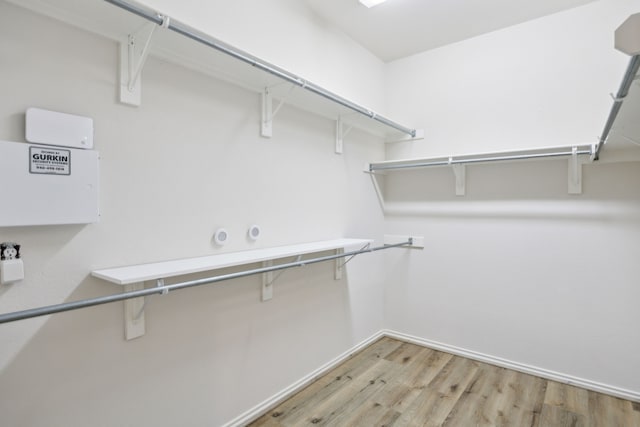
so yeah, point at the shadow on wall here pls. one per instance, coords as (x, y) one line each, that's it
(518, 190)
(212, 351)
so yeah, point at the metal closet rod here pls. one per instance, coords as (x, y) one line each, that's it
(452, 161)
(214, 43)
(627, 80)
(75, 305)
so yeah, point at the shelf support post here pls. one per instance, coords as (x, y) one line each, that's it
(133, 56)
(134, 325)
(267, 282)
(339, 265)
(376, 184)
(460, 173)
(575, 172)
(266, 124)
(341, 133)
(269, 113)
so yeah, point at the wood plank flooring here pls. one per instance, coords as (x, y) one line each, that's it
(393, 383)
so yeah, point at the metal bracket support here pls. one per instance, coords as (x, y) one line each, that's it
(267, 282)
(339, 265)
(575, 172)
(134, 325)
(376, 185)
(269, 113)
(266, 124)
(133, 56)
(341, 133)
(460, 173)
(134, 310)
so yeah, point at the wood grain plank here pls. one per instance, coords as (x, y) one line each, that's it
(525, 405)
(389, 419)
(570, 398)
(434, 403)
(343, 404)
(416, 373)
(337, 378)
(391, 383)
(404, 354)
(556, 416)
(468, 411)
(611, 411)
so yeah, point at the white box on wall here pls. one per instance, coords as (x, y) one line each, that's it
(44, 185)
(53, 128)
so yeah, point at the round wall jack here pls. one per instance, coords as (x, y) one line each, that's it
(254, 232)
(221, 236)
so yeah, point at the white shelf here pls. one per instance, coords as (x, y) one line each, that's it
(501, 156)
(132, 277)
(459, 163)
(102, 18)
(161, 270)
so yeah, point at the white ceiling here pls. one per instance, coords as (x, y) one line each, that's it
(400, 28)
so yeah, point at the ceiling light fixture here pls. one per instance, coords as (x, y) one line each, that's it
(371, 3)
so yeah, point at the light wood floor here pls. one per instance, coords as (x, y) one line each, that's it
(392, 383)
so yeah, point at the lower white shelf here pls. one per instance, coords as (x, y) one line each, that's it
(133, 277)
(165, 269)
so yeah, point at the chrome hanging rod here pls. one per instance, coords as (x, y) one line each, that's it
(214, 43)
(627, 80)
(453, 161)
(75, 305)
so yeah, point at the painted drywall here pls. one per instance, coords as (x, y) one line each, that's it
(189, 160)
(289, 34)
(186, 162)
(538, 84)
(517, 269)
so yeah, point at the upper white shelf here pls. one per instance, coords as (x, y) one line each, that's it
(538, 153)
(458, 164)
(196, 52)
(161, 270)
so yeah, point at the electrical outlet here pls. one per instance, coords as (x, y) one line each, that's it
(9, 251)
(11, 267)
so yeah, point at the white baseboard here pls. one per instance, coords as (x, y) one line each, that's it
(520, 367)
(289, 391)
(258, 410)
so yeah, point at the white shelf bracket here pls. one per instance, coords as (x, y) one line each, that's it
(575, 173)
(341, 133)
(134, 51)
(267, 282)
(134, 325)
(269, 113)
(268, 278)
(159, 284)
(266, 124)
(339, 265)
(134, 311)
(376, 184)
(460, 173)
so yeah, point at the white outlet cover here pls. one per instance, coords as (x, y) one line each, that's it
(254, 232)
(11, 271)
(221, 237)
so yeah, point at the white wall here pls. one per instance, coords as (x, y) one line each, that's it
(289, 34)
(538, 84)
(517, 269)
(187, 161)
